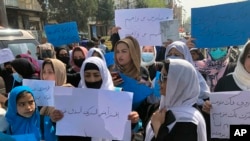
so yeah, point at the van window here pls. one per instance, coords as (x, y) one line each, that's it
(23, 48)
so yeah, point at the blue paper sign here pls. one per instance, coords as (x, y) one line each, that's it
(109, 57)
(61, 34)
(221, 25)
(24, 137)
(141, 91)
(156, 85)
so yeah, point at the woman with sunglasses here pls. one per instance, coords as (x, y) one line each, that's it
(177, 119)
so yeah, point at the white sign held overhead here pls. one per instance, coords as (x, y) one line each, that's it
(170, 30)
(143, 24)
(6, 55)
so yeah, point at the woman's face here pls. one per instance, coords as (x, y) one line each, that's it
(96, 54)
(92, 76)
(122, 54)
(174, 52)
(247, 62)
(63, 53)
(26, 105)
(163, 81)
(195, 55)
(48, 72)
(148, 49)
(78, 55)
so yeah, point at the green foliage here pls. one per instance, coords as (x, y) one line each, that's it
(156, 3)
(70, 10)
(105, 12)
(141, 4)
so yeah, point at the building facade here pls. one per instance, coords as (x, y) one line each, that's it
(24, 14)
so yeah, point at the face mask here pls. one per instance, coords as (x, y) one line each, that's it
(94, 85)
(174, 57)
(17, 77)
(78, 62)
(147, 56)
(64, 59)
(218, 53)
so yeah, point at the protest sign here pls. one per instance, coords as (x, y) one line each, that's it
(93, 112)
(216, 26)
(228, 108)
(43, 91)
(143, 23)
(61, 34)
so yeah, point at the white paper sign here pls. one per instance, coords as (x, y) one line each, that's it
(143, 24)
(228, 108)
(94, 113)
(43, 91)
(170, 30)
(6, 55)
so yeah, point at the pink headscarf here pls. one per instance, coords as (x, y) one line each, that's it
(84, 51)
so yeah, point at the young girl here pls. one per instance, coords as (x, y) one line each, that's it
(22, 113)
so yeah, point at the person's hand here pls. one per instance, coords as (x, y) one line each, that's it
(117, 80)
(157, 120)
(207, 107)
(56, 115)
(190, 43)
(115, 29)
(134, 117)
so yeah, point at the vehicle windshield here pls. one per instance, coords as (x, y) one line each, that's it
(23, 48)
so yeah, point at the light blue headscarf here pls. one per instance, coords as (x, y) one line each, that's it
(18, 124)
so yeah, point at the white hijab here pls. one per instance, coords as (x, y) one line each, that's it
(180, 97)
(93, 50)
(107, 83)
(145, 64)
(240, 75)
(182, 48)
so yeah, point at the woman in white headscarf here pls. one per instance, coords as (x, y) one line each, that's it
(180, 50)
(96, 52)
(177, 119)
(95, 74)
(96, 68)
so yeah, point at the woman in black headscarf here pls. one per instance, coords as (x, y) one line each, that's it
(22, 69)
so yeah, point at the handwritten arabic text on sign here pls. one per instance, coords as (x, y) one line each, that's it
(143, 24)
(229, 108)
(61, 34)
(93, 112)
(43, 91)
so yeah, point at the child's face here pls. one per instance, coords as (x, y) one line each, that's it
(48, 72)
(26, 105)
(122, 54)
